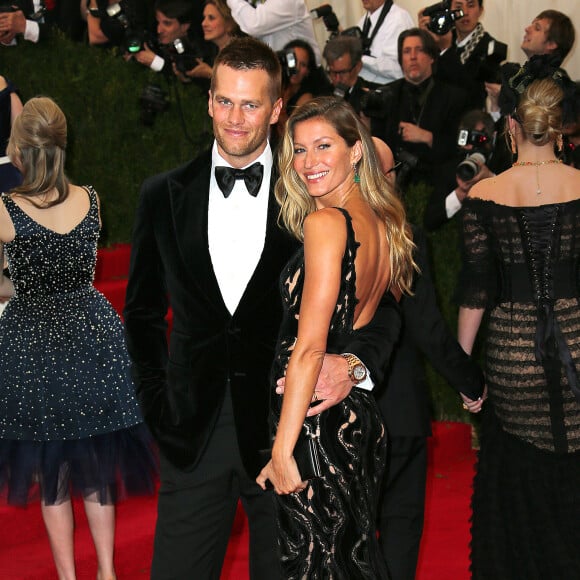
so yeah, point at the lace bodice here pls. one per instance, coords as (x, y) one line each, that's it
(523, 265)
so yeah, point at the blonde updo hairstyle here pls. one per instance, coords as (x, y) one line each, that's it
(296, 203)
(539, 111)
(37, 147)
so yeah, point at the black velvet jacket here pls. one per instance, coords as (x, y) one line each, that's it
(181, 386)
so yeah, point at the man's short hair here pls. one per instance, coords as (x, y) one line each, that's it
(561, 30)
(247, 53)
(341, 45)
(181, 10)
(428, 42)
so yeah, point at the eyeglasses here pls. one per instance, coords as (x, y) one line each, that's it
(340, 73)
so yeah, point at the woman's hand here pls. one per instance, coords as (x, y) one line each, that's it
(474, 406)
(283, 475)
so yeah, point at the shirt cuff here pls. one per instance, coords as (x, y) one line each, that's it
(452, 204)
(368, 384)
(32, 31)
(157, 64)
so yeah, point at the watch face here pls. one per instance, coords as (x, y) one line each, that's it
(359, 372)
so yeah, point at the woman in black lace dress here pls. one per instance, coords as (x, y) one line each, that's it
(356, 254)
(522, 264)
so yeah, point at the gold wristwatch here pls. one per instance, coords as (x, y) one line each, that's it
(357, 372)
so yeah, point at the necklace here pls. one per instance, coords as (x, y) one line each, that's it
(536, 164)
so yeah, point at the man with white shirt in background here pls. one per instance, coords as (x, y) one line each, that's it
(276, 22)
(25, 20)
(381, 26)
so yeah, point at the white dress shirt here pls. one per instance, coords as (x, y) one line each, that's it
(382, 65)
(276, 22)
(237, 229)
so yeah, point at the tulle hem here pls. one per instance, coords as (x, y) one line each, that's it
(104, 468)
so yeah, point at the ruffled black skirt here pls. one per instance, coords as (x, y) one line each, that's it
(103, 468)
(526, 509)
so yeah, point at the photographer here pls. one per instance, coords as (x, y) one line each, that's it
(470, 57)
(343, 56)
(478, 157)
(417, 115)
(276, 22)
(381, 26)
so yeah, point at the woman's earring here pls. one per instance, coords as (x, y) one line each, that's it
(560, 143)
(356, 175)
(513, 145)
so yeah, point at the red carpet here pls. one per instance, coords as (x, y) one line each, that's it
(25, 552)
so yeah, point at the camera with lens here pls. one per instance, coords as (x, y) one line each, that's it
(489, 63)
(328, 17)
(376, 103)
(475, 138)
(405, 163)
(288, 62)
(185, 54)
(471, 165)
(153, 100)
(442, 18)
(121, 28)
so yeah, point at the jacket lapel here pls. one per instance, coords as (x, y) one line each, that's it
(189, 198)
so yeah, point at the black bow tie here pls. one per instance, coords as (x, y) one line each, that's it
(252, 176)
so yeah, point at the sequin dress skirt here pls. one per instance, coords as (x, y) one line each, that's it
(69, 419)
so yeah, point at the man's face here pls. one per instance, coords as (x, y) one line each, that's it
(536, 38)
(472, 13)
(342, 72)
(417, 65)
(372, 5)
(169, 29)
(242, 113)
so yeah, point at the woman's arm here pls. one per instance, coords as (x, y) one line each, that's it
(324, 245)
(467, 326)
(6, 286)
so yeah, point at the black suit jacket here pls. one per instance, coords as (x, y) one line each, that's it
(181, 389)
(470, 75)
(404, 397)
(441, 113)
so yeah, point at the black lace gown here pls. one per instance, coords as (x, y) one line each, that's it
(69, 419)
(329, 529)
(523, 265)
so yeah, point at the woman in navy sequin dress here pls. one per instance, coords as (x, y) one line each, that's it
(356, 255)
(69, 420)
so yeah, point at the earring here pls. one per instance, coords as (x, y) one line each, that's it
(513, 145)
(560, 143)
(356, 175)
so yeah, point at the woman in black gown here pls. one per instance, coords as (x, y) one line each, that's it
(521, 234)
(69, 420)
(356, 254)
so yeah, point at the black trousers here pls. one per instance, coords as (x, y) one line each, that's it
(196, 511)
(402, 507)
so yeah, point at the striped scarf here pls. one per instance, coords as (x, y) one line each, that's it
(476, 36)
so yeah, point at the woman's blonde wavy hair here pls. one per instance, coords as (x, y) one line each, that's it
(539, 111)
(296, 203)
(37, 147)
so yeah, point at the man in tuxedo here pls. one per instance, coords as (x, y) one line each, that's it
(420, 114)
(25, 20)
(404, 401)
(206, 240)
